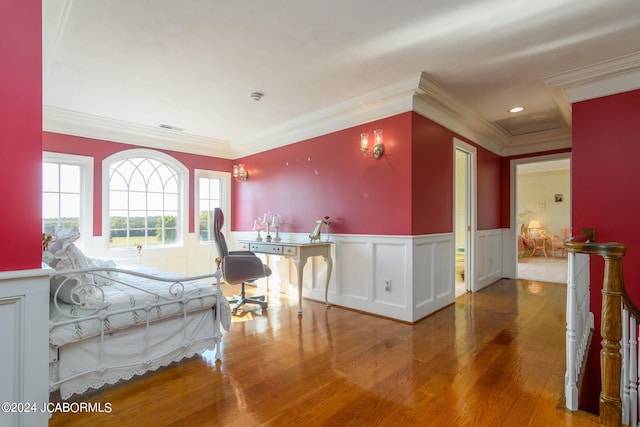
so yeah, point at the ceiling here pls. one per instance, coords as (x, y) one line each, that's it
(125, 70)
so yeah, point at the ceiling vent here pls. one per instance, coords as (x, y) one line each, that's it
(176, 128)
(540, 121)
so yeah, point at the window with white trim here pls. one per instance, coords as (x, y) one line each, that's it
(67, 182)
(211, 190)
(145, 199)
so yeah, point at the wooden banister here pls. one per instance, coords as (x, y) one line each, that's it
(611, 322)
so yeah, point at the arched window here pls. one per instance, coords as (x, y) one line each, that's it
(145, 199)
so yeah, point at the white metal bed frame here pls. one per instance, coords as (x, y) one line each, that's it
(94, 309)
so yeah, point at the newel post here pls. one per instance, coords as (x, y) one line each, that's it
(611, 331)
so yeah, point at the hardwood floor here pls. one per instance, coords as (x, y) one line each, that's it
(494, 358)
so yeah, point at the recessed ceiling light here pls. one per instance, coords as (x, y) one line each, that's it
(516, 109)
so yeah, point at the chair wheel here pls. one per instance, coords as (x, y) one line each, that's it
(234, 311)
(263, 306)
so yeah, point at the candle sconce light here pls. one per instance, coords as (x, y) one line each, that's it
(240, 173)
(378, 148)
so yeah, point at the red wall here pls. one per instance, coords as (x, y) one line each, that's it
(409, 191)
(20, 143)
(99, 150)
(329, 176)
(432, 192)
(605, 196)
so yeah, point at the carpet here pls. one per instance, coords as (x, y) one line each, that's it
(541, 269)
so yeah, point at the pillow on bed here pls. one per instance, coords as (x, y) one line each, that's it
(69, 258)
(102, 278)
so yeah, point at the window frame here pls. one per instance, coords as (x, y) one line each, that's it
(182, 224)
(225, 204)
(86, 189)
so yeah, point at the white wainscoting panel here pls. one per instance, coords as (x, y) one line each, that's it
(433, 273)
(420, 270)
(24, 363)
(488, 258)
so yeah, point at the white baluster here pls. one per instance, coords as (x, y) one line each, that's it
(633, 372)
(624, 383)
(571, 387)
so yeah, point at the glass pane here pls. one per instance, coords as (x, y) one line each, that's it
(215, 189)
(171, 202)
(50, 206)
(118, 220)
(50, 177)
(155, 201)
(118, 200)
(137, 182)
(171, 186)
(70, 206)
(124, 168)
(137, 219)
(118, 182)
(146, 166)
(49, 224)
(203, 188)
(70, 178)
(138, 201)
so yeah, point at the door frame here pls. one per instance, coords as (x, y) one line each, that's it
(471, 197)
(510, 237)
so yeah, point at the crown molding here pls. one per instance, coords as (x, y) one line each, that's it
(604, 78)
(375, 105)
(435, 103)
(69, 122)
(555, 139)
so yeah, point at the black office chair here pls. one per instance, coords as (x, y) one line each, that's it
(238, 267)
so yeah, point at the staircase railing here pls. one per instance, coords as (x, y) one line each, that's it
(579, 319)
(611, 324)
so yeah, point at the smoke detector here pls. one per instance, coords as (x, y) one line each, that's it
(256, 96)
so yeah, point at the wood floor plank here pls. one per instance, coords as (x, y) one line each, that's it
(493, 358)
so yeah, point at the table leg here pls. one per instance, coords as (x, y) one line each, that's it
(300, 263)
(329, 262)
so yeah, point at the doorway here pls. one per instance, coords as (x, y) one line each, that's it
(464, 219)
(542, 213)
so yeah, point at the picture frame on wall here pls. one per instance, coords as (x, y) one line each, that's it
(315, 233)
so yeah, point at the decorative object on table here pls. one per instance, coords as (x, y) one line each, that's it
(267, 223)
(277, 222)
(327, 222)
(315, 234)
(534, 227)
(257, 226)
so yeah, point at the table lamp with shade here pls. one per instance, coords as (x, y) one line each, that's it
(534, 226)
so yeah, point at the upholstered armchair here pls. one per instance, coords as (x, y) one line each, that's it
(238, 267)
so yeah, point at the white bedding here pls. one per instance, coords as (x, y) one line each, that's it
(136, 328)
(118, 296)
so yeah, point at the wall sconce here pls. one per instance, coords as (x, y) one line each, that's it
(378, 148)
(240, 173)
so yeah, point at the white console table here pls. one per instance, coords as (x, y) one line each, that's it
(299, 251)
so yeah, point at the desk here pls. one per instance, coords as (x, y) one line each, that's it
(299, 252)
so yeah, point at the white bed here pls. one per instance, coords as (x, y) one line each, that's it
(109, 324)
